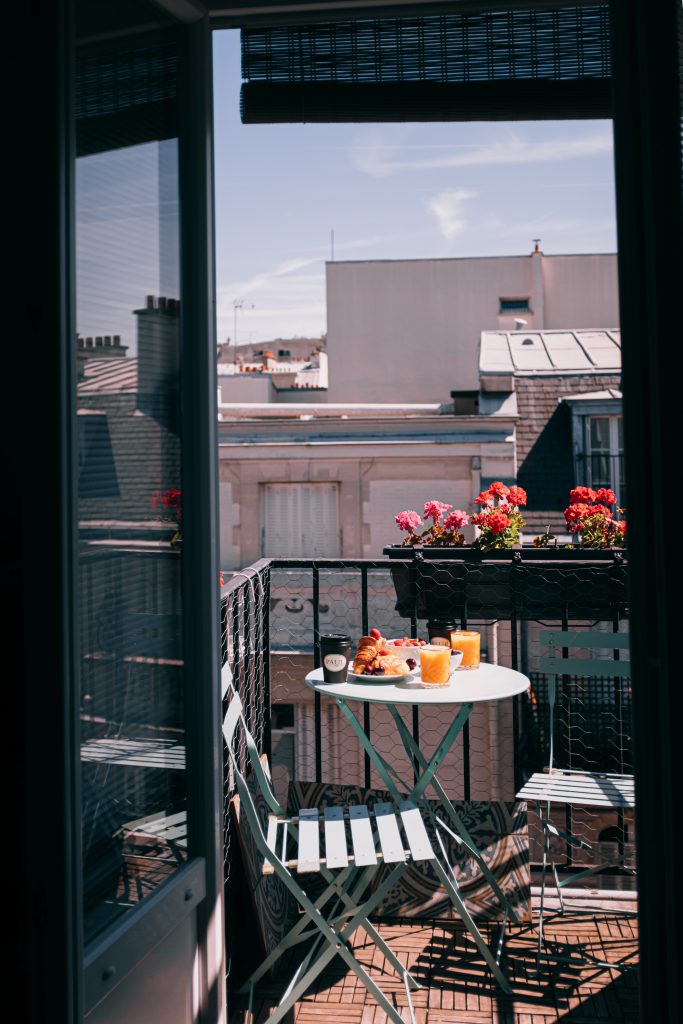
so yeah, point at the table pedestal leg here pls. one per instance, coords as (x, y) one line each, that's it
(428, 778)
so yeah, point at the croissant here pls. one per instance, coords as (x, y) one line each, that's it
(393, 665)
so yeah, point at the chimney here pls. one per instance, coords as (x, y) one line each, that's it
(537, 286)
(150, 302)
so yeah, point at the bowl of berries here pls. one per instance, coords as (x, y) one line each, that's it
(407, 648)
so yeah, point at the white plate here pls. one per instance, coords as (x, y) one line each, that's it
(363, 678)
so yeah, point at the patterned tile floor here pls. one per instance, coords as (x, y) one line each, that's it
(458, 990)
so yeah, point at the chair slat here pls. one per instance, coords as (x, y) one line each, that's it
(415, 831)
(361, 836)
(389, 834)
(590, 790)
(585, 667)
(589, 640)
(309, 841)
(336, 853)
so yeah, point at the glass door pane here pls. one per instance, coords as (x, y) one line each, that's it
(130, 476)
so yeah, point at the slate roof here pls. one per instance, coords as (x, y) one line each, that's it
(109, 376)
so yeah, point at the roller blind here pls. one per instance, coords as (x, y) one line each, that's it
(496, 65)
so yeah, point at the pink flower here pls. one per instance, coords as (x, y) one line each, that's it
(456, 519)
(435, 509)
(606, 495)
(517, 496)
(408, 520)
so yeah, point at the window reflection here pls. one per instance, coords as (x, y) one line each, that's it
(130, 478)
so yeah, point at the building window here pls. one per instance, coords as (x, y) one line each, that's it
(300, 521)
(601, 463)
(514, 306)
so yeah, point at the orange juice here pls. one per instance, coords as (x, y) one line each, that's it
(467, 641)
(435, 665)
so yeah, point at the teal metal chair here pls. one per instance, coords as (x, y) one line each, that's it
(569, 787)
(315, 842)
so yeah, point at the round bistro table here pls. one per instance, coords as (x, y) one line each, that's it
(466, 688)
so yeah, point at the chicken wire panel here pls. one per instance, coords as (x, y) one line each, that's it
(245, 649)
(592, 732)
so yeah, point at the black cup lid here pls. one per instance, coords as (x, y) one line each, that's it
(335, 638)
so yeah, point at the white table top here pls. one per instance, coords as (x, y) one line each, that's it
(488, 682)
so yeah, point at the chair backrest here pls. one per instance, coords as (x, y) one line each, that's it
(234, 726)
(276, 910)
(561, 661)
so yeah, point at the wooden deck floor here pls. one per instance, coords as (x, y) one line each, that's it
(457, 989)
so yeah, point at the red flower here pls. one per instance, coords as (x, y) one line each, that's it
(484, 498)
(575, 513)
(498, 489)
(607, 496)
(601, 510)
(517, 496)
(497, 521)
(581, 495)
(621, 527)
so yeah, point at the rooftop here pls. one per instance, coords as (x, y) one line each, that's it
(550, 352)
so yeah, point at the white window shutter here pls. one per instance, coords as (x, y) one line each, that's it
(301, 520)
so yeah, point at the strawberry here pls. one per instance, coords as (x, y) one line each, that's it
(375, 634)
(383, 651)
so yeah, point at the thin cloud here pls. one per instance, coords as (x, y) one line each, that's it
(380, 160)
(447, 207)
(266, 277)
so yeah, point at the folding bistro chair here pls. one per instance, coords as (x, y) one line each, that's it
(571, 788)
(290, 845)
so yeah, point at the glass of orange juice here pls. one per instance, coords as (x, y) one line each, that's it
(435, 665)
(467, 641)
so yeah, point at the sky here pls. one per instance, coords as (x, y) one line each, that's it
(387, 191)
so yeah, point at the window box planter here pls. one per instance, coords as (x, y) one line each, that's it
(527, 583)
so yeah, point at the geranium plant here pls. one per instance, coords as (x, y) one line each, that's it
(589, 515)
(499, 518)
(444, 531)
(170, 503)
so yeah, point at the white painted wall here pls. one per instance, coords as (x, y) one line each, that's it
(410, 328)
(229, 525)
(387, 497)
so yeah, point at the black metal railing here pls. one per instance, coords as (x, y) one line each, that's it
(275, 611)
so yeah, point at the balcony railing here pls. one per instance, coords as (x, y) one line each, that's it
(275, 611)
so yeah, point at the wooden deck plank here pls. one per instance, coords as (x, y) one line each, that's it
(457, 989)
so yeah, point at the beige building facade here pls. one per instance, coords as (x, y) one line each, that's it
(411, 328)
(327, 481)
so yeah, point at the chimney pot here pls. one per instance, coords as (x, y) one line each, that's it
(117, 339)
(150, 302)
(107, 340)
(88, 342)
(161, 303)
(98, 341)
